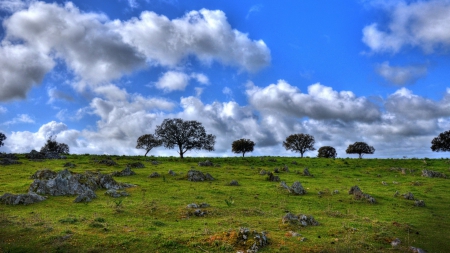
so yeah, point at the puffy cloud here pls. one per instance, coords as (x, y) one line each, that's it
(201, 78)
(21, 118)
(401, 75)
(12, 5)
(321, 102)
(56, 94)
(205, 34)
(3, 109)
(424, 24)
(21, 67)
(172, 80)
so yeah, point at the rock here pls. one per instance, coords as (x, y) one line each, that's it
(276, 170)
(200, 213)
(116, 193)
(285, 168)
(297, 189)
(354, 189)
(203, 205)
(408, 196)
(416, 250)
(198, 176)
(263, 172)
(301, 219)
(8, 161)
(34, 155)
(272, 178)
(358, 194)
(396, 242)
(172, 173)
(124, 173)
(21, 199)
(233, 183)
(307, 173)
(195, 205)
(192, 205)
(205, 163)
(69, 165)
(85, 197)
(294, 162)
(108, 162)
(155, 162)
(430, 173)
(136, 165)
(154, 175)
(284, 185)
(259, 239)
(336, 192)
(419, 203)
(65, 183)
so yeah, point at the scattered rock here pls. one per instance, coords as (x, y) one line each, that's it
(108, 162)
(297, 188)
(284, 185)
(116, 193)
(69, 165)
(154, 175)
(21, 199)
(416, 250)
(8, 159)
(430, 173)
(198, 176)
(155, 162)
(124, 173)
(272, 178)
(336, 192)
(408, 196)
(358, 194)
(285, 168)
(263, 172)
(200, 213)
(35, 155)
(44, 174)
(307, 173)
(276, 170)
(253, 238)
(192, 205)
(9, 156)
(172, 173)
(419, 203)
(301, 219)
(86, 196)
(233, 183)
(396, 242)
(396, 193)
(205, 163)
(136, 165)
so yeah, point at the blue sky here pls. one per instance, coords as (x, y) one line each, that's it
(98, 74)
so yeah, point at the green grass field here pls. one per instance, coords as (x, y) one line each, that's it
(155, 218)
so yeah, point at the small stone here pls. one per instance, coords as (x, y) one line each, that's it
(297, 188)
(408, 196)
(419, 203)
(172, 173)
(396, 242)
(154, 175)
(233, 183)
(192, 205)
(307, 173)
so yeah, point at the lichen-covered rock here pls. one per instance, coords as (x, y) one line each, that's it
(271, 177)
(408, 196)
(136, 165)
(154, 175)
(253, 238)
(358, 194)
(233, 183)
(297, 189)
(301, 219)
(44, 174)
(198, 176)
(430, 173)
(205, 163)
(307, 173)
(116, 193)
(21, 199)
(124, 173)
(419, 203)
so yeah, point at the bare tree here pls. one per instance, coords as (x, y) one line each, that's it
(2, 139)
(441, 142)
(299, 143)
(360, 148)
(327, 152)
(242, 146)
(187, 135)
(147, 142)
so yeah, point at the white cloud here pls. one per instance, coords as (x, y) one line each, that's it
(424, 24)
(401, 75)
(320, 103)
(254, 9)
(172, 80)
(201, 78)
(55, 94)
(3, 109)
(205, 34)
(12, 5)
(21, 118)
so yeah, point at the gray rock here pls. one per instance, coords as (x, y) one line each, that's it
(124, 173)
(154, 175)
(198, 176)
(419, 203)
(192, 205)
(408, 196)
(205, 163)
(44, 174)
(21, 199)
(260, 239)
(271, 177)
(396, 242)
(301, 219)
(116, 193)
(284, 185)
(85, 197)
(263, 172)
(203, 205)
(307, 173)
(297, 188)
(155, 162)
(285, 168)
(136, 165)
(416, 250)
(172, 173)
(430, 173)
(234, 183)
(358, 194)
(200, 213)
(8, 161)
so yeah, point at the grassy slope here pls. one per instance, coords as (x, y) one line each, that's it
(155, 219)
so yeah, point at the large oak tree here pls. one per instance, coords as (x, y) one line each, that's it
(299, 143)
(186, 135)
(441, 142)
(2, 139)
(327, 152)
(242, 146)
(147, 142)
(360, 148)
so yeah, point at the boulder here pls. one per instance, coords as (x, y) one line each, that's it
(358, 194)
(307, 173)
(301, 219)
(285, 168)
(35, 155)
(297, 189)
(284, 185)
(116, 193)
(416, 250)
(107, 162)
(21, 199)
(419, 203)
(408, 196)
(271, 177)
(430, 173)
(44, 174)
(124, 173)
(255, 240)
(205, 163)
(172, 173)
(233, 183)
(198, 176)
(136, 165)
(154, 175)
(86, 196)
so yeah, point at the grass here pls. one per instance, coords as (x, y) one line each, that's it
(155, 218)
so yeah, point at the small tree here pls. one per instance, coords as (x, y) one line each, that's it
(187, 135)
(147, 142)
(299, 143)
(327, 152)
(2, 139)
(242, 146)
(441, 142)
(360, 148)
(53, 146)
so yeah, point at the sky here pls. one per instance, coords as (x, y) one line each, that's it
(99, 74)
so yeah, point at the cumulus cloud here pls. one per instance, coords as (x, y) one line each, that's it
(201, 78)
(321, 102)
(21, 118)
(205, 34)
(55, 94)
(172, 80)
(423, 24)
(401, 75)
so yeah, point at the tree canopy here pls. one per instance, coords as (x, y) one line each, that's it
(147, 142)
(360, 148)
(186, 135)
(53, 146)
(327, 152)
(242, 146)
(441, 142)
(2, 139)
(299, 143)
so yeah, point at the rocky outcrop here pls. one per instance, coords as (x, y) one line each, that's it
(254, 239)
(271, 177)
(205, 163)
(21, 199)
(296, 188)
(116, 193)
(300, 219)
(358, 194)
(198, 176)
(430, 173)
(124, 173)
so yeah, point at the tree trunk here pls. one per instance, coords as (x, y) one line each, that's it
(181, 151)
(301, 154)
(243, 153)
(147, 152)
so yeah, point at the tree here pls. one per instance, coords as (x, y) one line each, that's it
(2, 139)
(360, 148)
(242, 146)
(327, 152)
(299, 143)
(147, 142)
(441, 142)
(187, 135)
(53, 146)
